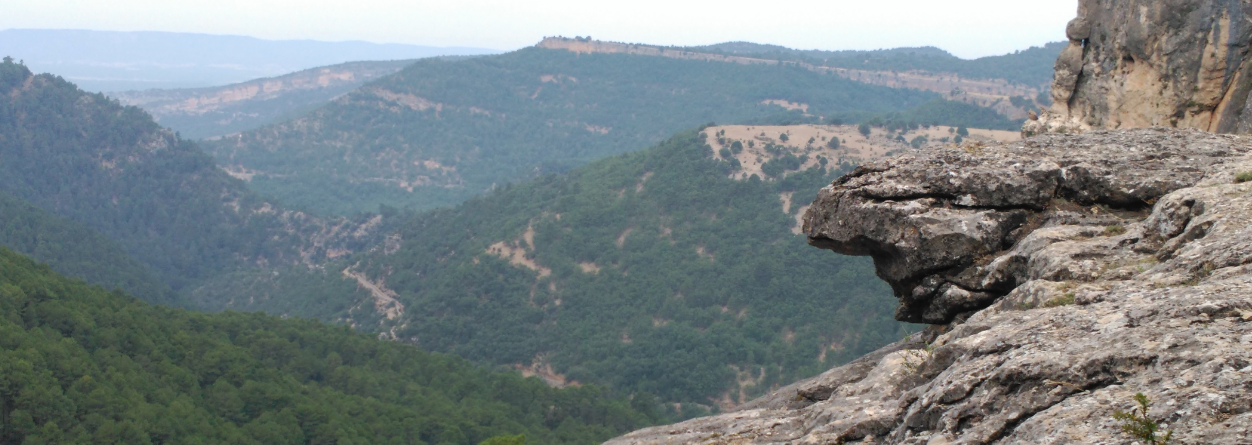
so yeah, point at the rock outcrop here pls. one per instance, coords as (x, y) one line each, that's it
(1061, 275)
(1139, 63)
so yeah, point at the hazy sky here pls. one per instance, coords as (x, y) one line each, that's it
(967, 28)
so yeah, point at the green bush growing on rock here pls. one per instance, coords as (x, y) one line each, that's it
(1064, 300)
(1243, 177)
(1114, 230)
(519, 439)
(1137, 423)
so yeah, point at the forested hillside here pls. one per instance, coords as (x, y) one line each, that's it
(81, 365)
(74, 250)
(440, 132)
(1031, 67)
(650, 272)
(112, 169)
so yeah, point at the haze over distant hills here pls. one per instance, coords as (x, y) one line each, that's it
(199, 113)
(118, 61)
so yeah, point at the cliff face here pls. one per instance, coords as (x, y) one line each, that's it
(1061, 275)
(1138, 63)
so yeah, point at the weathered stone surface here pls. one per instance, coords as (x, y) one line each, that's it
(1138, 63)
(1068, 271)
(933, 221)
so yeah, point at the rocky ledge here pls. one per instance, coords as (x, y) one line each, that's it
(1060, 275)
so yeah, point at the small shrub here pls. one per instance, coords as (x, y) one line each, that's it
(519, 439)
(833, 144)
(1064, 300)
(1243, 177)
(1114, 230)
(1137, 423)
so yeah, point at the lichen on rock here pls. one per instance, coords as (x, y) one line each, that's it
(1061, 275)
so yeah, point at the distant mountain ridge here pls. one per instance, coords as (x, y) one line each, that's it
(1010, 84)
(199, 113)
(1032, 66)
(120, 61)
(750, 48)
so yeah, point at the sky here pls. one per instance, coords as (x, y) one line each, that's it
(967, 28)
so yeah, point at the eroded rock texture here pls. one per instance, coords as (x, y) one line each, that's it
(1061, 275)
(1138, 63)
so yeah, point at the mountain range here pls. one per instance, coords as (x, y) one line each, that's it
(441, 131)
(1022, 67)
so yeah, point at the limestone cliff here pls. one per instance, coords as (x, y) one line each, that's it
(1061, 275)
(1138, 63)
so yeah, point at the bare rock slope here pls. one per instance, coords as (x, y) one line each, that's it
(1138, 63)
(1061, 275)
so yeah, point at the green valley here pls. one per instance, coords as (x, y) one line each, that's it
(521, 224)
(650, 272)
